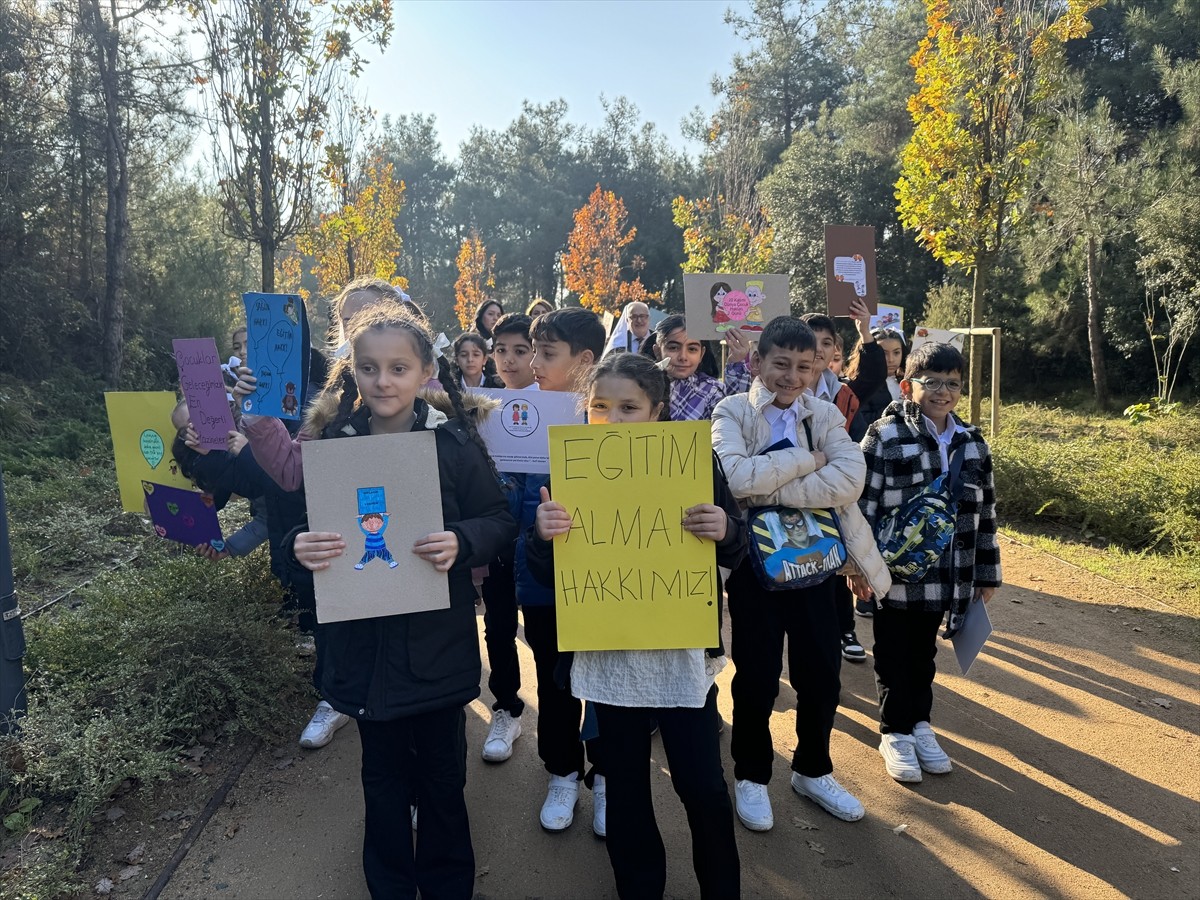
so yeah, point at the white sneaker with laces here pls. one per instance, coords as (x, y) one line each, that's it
(558, 812)
(930, 755)
(499, 744)
(599, 808)
(753, 805)
(899, 752)
(829, 795)
(321, 727)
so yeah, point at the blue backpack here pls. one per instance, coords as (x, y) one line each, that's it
(913, 537)
(794, 548)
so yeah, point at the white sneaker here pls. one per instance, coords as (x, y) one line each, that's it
(558, 812)
(499, 744)
(599, 808)
(899, 752)
(829, 795)
(753, 805)
(930, 755)
(321, 727)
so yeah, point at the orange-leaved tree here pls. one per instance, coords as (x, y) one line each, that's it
(985, 72)
(592, 265)
(475, 276)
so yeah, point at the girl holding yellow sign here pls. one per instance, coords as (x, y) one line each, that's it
(631, 688)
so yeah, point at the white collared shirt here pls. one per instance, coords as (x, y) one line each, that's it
(782, 421)
(944, 438)
(827, 387)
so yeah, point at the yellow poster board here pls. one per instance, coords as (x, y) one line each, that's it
(140, 423)
(628, 576)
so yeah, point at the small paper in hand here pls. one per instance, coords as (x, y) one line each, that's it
(976, 627)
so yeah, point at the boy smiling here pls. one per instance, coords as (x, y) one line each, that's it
(782, 447)
(911, 445)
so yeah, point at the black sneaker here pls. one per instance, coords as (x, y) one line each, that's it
(865, 608)
(852, 650)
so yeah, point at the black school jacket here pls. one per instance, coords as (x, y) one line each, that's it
(396, 666)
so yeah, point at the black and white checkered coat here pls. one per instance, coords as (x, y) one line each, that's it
(902, 457)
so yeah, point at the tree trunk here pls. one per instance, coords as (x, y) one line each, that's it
(1095, 332)
(116, 215)
(982, 271)
(268, 224)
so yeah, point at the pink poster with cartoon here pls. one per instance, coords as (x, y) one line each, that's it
(715, 303)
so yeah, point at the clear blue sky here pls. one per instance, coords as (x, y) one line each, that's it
(472, 62)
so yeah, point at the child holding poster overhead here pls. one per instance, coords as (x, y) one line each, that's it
(630, 689)
(780, 446)
(694, 395)
(407, 678)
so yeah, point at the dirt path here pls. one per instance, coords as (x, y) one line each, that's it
(1077, 774)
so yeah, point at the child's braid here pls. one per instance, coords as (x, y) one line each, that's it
(346, 403)
(445, 376)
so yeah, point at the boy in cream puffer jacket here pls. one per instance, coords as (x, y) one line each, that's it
(762, 439)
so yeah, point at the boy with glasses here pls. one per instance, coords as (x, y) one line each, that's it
(905, 450)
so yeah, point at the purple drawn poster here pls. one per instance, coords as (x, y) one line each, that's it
(203, 388)
(185, 516)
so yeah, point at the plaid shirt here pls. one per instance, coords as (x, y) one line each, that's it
(902, 458)
(694, 398)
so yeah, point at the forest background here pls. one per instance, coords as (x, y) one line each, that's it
(1028, 164)
(116, 235)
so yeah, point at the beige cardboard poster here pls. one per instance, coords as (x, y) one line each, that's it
(381, 493)
(715, 303)
(850, 268)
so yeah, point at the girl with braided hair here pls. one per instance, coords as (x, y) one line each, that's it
(406, 679)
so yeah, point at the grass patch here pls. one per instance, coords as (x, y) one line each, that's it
(155, 655)
(1116, 499)
(1101, 478)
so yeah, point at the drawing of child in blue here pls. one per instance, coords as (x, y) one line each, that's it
(373, 525)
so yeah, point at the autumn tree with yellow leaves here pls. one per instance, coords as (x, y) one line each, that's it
(984, 71)
(592, 266)
(359, 237)
(475, 277)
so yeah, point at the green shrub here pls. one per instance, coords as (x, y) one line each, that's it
(151, 658)
(1136, 486)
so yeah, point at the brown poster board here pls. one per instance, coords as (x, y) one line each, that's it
(850, 268)
(714, 303)
(381, 493)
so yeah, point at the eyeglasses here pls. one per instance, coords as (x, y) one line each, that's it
(643, 318)
(933, 385)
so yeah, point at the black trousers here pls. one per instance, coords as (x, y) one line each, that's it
(693, 749)
(500, 637)
(905, 645)
(428, 753)
(759, 620)
(559, 713)
(845, 604)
